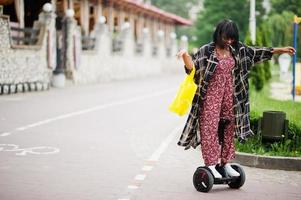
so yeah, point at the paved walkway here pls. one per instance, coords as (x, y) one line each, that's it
(281, 90)
(93, 143)
(165, 183)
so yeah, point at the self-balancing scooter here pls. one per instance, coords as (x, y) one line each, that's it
(203, 178)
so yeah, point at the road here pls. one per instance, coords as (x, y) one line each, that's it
(110, 141)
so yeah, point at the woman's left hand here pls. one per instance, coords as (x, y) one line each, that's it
(289, 50)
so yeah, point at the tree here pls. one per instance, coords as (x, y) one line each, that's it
(257, 75)
(280, 30)
(293, 6)
(280, 26)
(178, 7)
(216, 10)
(281, 19)
(181, 8)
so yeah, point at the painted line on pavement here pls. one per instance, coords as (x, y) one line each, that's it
(5, 134)
(88, 110)
(133, 187)
(140, 177)
(153, 159)
(156, 155)
(147, 168)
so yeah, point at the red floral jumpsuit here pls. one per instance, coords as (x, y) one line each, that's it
(218, 104)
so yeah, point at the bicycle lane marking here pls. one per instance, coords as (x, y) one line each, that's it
(29, 150)
(85, 111)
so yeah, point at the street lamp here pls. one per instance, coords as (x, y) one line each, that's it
(252, 21)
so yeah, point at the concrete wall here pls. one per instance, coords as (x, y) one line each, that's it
(22, 67)
(30, 68)
(102, 65)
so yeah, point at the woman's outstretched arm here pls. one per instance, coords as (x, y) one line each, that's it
(279, 50)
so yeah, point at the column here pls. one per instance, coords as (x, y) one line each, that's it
(98, 12)
(84, 16)
(121, 19)
(110, 18)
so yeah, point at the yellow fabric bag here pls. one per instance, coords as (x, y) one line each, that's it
(183, 99)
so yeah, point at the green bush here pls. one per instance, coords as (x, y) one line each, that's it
(290, 146)
(258, 77)
(261, 72)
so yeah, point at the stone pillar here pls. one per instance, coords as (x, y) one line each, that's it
(48, 18)
(139, 42)
(85, 16)
(184, 42)
(5, 47)
(147, 43)
(128, 41)
(65, 5)
(103, 39)
(173, 46)
(140, 21)
(26, 67)
(98, 12)
(132, 22)
(4, 33)
(110, 19)
(121, 19)
(167, 34)
(71, 43)
(147, 24)
(161, 51)
(146, 38)
(155, 28)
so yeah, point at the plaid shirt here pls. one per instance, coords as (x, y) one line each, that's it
(205, 62)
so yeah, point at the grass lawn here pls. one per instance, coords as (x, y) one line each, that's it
(260, 101)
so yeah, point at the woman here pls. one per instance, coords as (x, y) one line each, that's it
(222, 69)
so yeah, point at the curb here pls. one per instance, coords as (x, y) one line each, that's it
(268, 162)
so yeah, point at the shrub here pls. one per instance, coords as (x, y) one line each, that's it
(290, 146)
(258, 77)
(261, 72)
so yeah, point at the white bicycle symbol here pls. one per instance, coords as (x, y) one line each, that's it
(30, 150)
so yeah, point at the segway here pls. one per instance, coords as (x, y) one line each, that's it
(203, 178)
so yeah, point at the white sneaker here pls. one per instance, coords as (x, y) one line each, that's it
(230, 171)
(215, 173)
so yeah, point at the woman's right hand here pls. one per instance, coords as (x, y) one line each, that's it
(182, 53)
(186, 58)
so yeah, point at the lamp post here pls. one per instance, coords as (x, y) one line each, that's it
(297, 20)
(252, 22)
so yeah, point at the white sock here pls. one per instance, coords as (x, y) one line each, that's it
(215, 173)
(231, 171)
